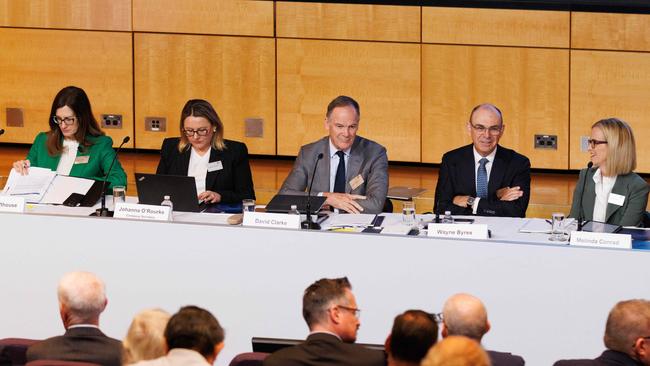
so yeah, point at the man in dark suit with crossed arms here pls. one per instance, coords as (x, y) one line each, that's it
(484, 178)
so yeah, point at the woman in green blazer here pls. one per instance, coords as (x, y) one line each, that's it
(612, 192)
(74, 145)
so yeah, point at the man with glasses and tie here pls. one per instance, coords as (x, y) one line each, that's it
(331, 312)
(354, 172)
(484, 178)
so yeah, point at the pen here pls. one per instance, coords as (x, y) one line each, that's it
(549, 222)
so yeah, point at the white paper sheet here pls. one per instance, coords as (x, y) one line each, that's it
(337, 220)
(63, 186)
(31, 186)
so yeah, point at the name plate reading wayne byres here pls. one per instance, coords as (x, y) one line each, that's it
(265, 219)
(463, 231)
(12, 204)
(141, 212)
(600, 240)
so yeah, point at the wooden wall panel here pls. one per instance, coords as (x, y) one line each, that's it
(610, 84)
(629, 32)
(503, 27)
(235, 74)
(348, 21)
(113, 15)
(36, 64)
(231, 17)
(530, 86)
(383, 77)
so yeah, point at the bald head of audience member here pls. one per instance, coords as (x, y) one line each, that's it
(628, 329)
(82, 298)
(413, 334)
(456, 351)
(465, 315)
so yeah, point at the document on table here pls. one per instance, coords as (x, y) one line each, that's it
(63, 186)
(31, 186)
(539, 226)
(348, 220)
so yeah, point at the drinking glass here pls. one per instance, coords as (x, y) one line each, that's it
(119, 194)
(408, 213)
(248, 205)
(557, 230)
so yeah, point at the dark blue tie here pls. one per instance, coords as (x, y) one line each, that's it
(339, 181)
(481, 179)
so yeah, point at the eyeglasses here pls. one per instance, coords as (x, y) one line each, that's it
(355, 311)
(67, 120)
(593, 143)
(190, 132)
(480, 129)
(437, 317)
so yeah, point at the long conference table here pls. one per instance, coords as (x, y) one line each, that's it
(545, 301)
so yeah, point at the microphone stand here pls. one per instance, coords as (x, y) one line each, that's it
(309, 224)
(103, 211)
(580, 213)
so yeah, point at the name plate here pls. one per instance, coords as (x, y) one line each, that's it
(601, 240)
(141, 212)
(266, 219)
(12, 204)
(463, 231)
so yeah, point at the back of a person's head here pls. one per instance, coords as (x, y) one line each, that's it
(194, 328)
(319, 296)
(465, 315)
(413, 334)
(83, 295)
(456, 351)
(627, 321)
(145, 339)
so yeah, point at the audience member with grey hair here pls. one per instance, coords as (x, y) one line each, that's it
(82, 298)
(627, 337)
(465, 315)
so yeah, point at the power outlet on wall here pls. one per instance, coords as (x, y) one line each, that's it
(111, 121)
(546, 142)
(155, 124)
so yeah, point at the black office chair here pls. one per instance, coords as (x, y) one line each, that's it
(646, 219)
(388, 206)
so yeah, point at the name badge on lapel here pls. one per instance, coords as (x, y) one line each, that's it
(215, 165)
(356, 181)
(82, 159)
(616, 199)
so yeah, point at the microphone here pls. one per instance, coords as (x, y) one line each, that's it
(309, 223)
(581, 215)
(103, 211)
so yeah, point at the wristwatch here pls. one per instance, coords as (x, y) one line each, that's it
(470, 201)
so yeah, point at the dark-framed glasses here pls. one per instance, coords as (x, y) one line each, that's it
(355, 311)
(65, 120)
(594, 142)
(190, 132)
(492, 130)
(437, 317)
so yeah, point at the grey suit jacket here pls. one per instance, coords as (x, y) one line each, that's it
(367, 158)
(632, 186)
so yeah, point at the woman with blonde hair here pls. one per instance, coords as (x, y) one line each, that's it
(456, 351)
(612, 192)
(145, 339)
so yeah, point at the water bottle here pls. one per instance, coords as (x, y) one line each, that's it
(294, 210)
(168, 202)
(447, 219)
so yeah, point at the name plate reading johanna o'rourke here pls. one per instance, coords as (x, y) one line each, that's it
(266, 219)
(601, 240)
(12, 204)
(458, 231)
(141, 212)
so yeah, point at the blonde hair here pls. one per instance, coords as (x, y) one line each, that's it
(145, 339)
(621, 148)
(456, 351)
(202, 108)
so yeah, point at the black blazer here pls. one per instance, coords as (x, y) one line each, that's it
(505, 359)
(84, 344)
(607, 358)
(326, 350)
(234, 182)
(458, 178)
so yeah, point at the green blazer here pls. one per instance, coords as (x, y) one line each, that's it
(631, 186)
(100, 154)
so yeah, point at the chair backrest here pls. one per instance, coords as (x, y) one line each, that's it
(249, 359)
(59, 363)
(13, 351)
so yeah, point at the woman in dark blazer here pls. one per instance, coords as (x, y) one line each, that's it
(612, 192)
(220, 166)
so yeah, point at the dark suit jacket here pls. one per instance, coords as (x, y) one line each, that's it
(234, 182)
(505, 359)
(607, 358)
(631, 186)
(458, 178)
(85, 344)
(326, 350)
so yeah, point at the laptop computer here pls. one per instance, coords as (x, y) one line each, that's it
(281, 203)
(181, 189)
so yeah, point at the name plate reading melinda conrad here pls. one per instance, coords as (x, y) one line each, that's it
(601, 240)
(141, 212)
(12, 204)
(266, 219)
(462, 231)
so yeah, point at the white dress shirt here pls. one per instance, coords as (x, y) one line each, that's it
(488, 168)
(68, 156)
(198, 168)
(604, 187)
